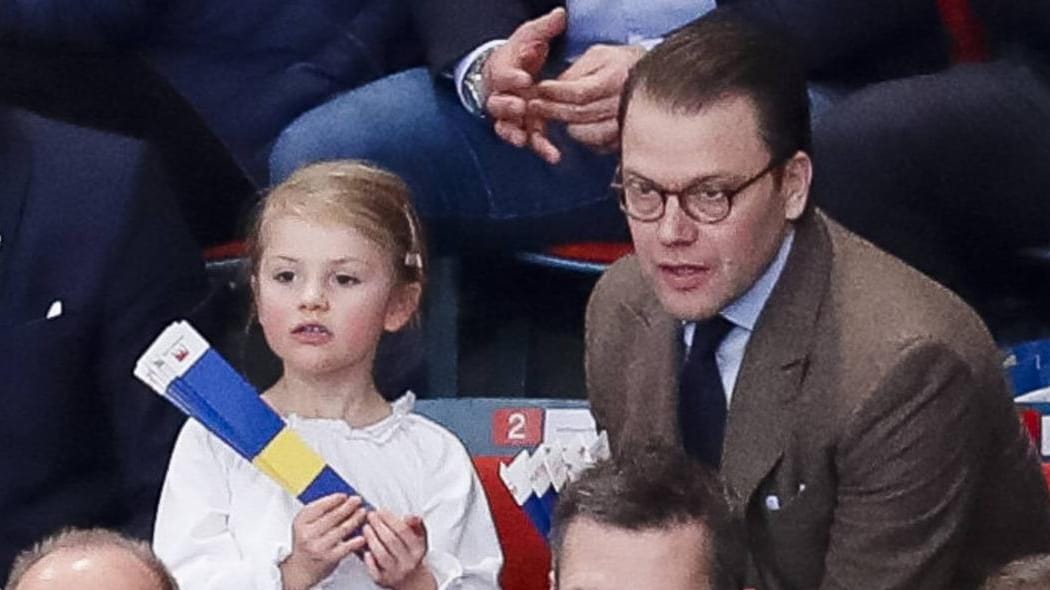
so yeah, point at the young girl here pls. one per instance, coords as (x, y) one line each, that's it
(336, 260)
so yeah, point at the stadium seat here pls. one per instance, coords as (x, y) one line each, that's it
(526, 558)
(966, 31)
(584, 257)
(494, 430)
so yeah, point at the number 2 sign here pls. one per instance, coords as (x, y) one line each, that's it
(517, 427)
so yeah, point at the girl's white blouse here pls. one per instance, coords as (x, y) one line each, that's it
(224, 525)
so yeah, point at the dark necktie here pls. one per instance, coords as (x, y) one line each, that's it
(701, 397)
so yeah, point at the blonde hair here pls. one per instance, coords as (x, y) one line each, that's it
(369, 199)
(91, 540)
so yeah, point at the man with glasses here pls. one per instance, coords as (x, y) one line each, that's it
(856, 410)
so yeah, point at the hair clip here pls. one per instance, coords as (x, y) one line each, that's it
(414, 260)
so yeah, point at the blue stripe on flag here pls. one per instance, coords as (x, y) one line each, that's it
(247, 419)
(327, 482)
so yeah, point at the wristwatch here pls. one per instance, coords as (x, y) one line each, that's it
(473, 86)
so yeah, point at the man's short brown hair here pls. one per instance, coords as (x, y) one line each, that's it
(1029, 573)
(723, 56)
(90, 539)
(651, 489)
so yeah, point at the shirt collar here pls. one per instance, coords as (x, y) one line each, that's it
(744, 311)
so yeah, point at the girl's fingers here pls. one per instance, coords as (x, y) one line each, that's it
(417, 525)
(394, 533)
(318, 508)
(341, 531)
(373, 567)
(383, 558)
(337, 514)
(344, 548)
(354, 522)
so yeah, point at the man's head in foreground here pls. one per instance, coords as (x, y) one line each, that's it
(655, 519)
(93, 559)
(714, 166)
(1029, 573)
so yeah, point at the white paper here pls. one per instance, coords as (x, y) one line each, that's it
(516, 477)
(555, 464)
(1036, 395)
(565, 424)
(539, 478)
(1044, 444)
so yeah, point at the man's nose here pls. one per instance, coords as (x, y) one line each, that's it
(675, 227)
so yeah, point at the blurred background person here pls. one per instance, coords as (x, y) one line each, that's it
(651, 518)
(94, 261)
(92, 559)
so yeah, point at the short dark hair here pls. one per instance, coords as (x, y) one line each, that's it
(1029, 573)
(722, 56)
(651, 489)
(90, 539)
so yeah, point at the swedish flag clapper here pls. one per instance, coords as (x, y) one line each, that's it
(182, 367)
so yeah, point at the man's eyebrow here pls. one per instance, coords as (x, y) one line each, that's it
(695, 181)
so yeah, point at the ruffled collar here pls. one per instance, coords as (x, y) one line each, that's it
(379, 431)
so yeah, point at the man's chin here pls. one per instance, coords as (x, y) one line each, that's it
(688, 307)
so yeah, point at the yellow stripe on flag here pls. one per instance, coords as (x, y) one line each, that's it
(290, 461)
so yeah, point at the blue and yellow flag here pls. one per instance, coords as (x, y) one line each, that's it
(182, 367)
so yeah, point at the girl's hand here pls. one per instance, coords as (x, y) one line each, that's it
(396, 547)
(320, 539)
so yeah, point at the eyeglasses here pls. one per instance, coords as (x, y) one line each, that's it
(645, 201)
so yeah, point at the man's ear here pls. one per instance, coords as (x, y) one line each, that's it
(553, 579)
(404, 301)
(797, 178)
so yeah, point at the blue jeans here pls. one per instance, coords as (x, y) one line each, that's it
(473, 190)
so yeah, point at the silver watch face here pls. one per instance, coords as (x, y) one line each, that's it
(471, 96)
(474, 84)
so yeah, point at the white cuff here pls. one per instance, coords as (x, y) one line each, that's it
(464, 64)
(450, 574)
(270, 573)
(446, 568)
(648, 44)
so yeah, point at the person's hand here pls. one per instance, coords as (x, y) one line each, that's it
(396, 547)
(586, 96)
(510, 75)
(321, 539)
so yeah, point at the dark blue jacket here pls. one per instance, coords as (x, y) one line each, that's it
(83, 223)
(248, 66)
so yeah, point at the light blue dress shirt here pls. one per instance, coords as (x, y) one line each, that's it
(743, 313)
(626, 22)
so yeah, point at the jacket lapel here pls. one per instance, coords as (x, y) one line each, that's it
(15, 166)
(774, 363)
(651, 412)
